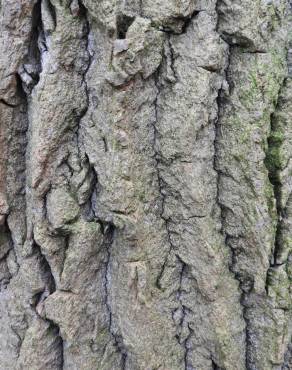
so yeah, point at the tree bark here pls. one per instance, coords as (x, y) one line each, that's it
(145, 185)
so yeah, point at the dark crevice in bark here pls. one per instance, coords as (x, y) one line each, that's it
(123, 24)
(182, 310)
(40, 297)
(107, 228)
(246, 282)
(209, 69)
(274, 167)
(66, 247)
(8, 246)
(10, 105)
(14, 149)
(172, 58)
(215, 366)
(19, 98)
(187, 349)
(108, 231)
(287, 365)
(30, 70)
(104, 140)
(37, 29)
(180, 317)
(161, 186)
(249, 364)
(188, 20)
(84, 14)
(57, 333)
(45, 203)
(46, 268)
(217, 126)
(90, 214)
(82, 9)
(5, 280)
(247, 47)
(90, 54)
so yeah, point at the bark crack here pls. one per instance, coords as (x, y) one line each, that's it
(108, 230)
(82, 11)
(6, 249)
(274, 167)
(179, 317)
(274, 180)
(31, 69)
(182, 311)
(39, 298)
(157, 159)
(217, 128)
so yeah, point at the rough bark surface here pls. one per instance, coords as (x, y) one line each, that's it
(145, 185)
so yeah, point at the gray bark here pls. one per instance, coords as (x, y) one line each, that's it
(145, 185)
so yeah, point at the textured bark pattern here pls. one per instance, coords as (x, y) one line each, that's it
(145, 185)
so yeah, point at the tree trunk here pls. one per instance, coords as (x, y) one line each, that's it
(145, 185)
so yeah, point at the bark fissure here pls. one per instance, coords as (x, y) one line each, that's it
(108, 231)
(31, 69)
(5, 250)
(217, 127)
(90, 54)
(250, 301)
(182, 310)
(10, 105)
(109, 234)
(274, 166)
(39, 299)
(185, 20)
(159, 178)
